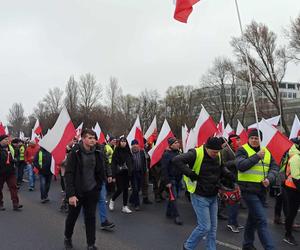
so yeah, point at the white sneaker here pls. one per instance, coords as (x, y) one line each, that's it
(126, 210)
(111, 205)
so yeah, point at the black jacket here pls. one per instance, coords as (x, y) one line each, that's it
(73, 174)
(228, 160)
(168, 171)
(45, 169)
(243, 163)
(143, 159)
(119, 157)
(7, 166)
(211, 172)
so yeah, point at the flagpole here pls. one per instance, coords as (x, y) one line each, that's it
(249, 71)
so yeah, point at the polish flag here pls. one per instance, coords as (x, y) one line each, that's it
(36, 132)
(183, 9)
(191, 141)
(2, 129)
(161, 144)
(274, 141)
(151, 134)
(220, 126)
(272, 121)
(6, 130)
(295, 131)
(228, 131)
(242, 133)
(79, 130)
(185, 135)
(56, 140)
(100, 134)
(136, 133)
(205, 127)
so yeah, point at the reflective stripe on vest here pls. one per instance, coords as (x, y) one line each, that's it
(12, 151)
(259, 171)
(192, 185)
(289, 180)
(22, 152)
(41, 159)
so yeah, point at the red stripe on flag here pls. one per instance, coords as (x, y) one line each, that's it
(278, 145)
(183, 9)
(158, 152)
(207, 130)
(139, 136)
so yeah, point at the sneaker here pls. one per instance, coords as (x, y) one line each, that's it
(92, 248)
(137, 208)
(111, 205)
(2, 208)
(68, 244)
(107, 225)
(233, 228)
(47, 199)
(17, 207)
(126, 210)
(31, 189)
(290, 240)
(43, 201)
(240, 227)
(178, 221)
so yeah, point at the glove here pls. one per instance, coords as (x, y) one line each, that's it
(193, 176)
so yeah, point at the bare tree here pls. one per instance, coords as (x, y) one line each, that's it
(267, 61)
(53, 100)
(16, 118)
(89, 93)
(225, 91)
(293, 34)
(71, 99)
(113, 94)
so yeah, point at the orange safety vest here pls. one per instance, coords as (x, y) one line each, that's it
(289, 180)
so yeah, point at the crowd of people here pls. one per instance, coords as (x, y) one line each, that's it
(219, 174)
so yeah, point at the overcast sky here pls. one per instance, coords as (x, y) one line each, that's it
(137, 41)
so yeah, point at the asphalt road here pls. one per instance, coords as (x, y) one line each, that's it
(40, 226)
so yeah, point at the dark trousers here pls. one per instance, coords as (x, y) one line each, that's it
(62, 183)
(136, 183)
(293, 199)
(45, 182)
(20, 171)
(281, 204)
(172, 210)
(145, 184)
(89, 202)
(122, 181)
(158, 185)
(11, 182)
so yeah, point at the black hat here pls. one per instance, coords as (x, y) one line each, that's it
(214, 143)
(171, 140)
(254, 132)
(134, 142)
(2, 137)
(112, 138)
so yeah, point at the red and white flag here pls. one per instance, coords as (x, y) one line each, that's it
(136, 133)
(274, 140)
(56, 140)
(100, 134)
(79, 130)
(242, 133)
(2, 129)
(151, 133)
(295, 131)
(6, 130)
(228, 131)
(161, 144)
(205, 127)
(220, 127)
(185, 136)
(183, 9)
(272, 121)
(36, 132)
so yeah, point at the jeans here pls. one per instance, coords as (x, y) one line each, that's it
(29, 170)
(102, 204)
(257, 220)
(45, 181)
(136, 182)
(89, 202)
(206, 209)
(233, 211)
(172, 210)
